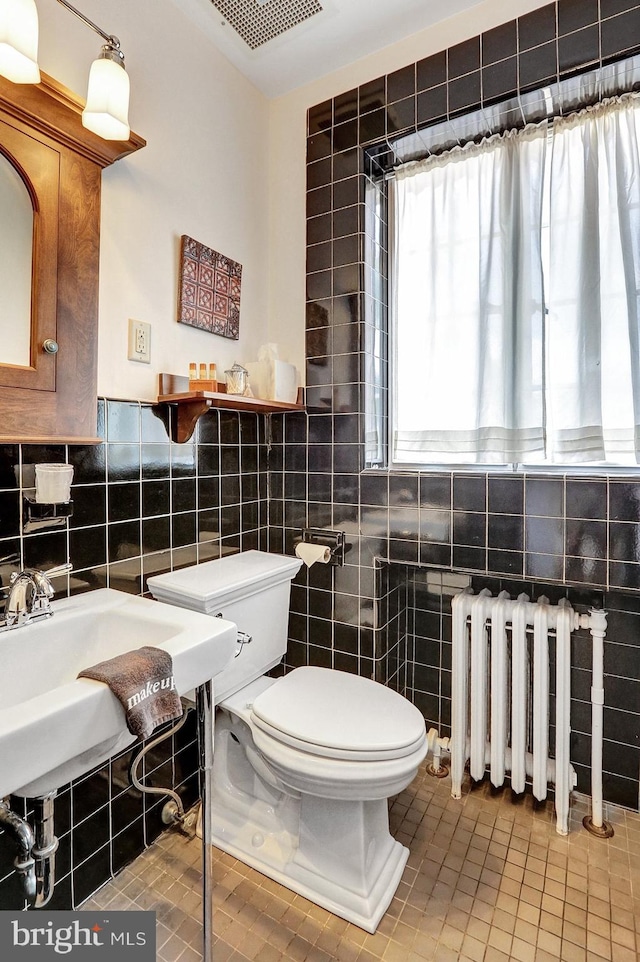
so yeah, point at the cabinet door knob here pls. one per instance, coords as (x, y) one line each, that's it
(50, 346)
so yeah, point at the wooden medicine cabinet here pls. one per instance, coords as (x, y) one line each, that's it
(50, 181)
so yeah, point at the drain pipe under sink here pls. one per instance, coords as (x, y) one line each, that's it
(35, 861)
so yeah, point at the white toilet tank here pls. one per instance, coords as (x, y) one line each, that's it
(251, 589)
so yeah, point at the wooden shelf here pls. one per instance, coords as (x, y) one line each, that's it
(189, 406)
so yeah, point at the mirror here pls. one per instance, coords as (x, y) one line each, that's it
(16, 243)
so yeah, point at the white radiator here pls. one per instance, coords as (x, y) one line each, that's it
(501, 693)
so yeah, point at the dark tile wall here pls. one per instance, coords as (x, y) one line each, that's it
(103, 823)
(142, 505)
(553, 531)
(388, 615)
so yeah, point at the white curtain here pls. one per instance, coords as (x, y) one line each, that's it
(593, 358)
(486, 237)
(469, 293)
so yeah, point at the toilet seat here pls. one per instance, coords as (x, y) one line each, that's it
(338, 715)
(316, 769)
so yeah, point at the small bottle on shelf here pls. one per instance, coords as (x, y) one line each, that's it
(193, 372)
(203, 372)
(213, 377)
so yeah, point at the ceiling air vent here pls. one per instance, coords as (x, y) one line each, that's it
(258, 21)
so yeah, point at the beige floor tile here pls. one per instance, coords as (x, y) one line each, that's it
(486, 881)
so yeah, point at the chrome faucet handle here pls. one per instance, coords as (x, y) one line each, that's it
(42, 579)
(56, 570)
(42, 585)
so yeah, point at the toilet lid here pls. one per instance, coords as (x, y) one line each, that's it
(339, 712)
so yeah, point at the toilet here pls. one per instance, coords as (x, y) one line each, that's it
(303, 764)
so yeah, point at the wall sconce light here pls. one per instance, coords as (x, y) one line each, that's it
(19, 41)
(107, 107)
(106, 111)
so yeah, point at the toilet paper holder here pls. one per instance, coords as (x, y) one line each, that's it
(334, 540)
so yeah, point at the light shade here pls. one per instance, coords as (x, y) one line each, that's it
(107, 109)
(19, 41)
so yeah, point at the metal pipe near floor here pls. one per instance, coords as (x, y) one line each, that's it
(24, 861)
(45, 848)
(206, 713)
(596, 622)
(173, 812)
(35, 861)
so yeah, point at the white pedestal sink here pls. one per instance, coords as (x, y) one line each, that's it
(55, 726)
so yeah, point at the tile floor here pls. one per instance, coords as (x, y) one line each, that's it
(487, 880)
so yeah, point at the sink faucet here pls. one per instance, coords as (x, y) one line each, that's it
(30, 595)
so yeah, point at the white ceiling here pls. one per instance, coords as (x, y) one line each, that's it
(343, 32)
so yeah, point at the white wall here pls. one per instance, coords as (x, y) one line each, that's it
(221, 164)
(202, 173)
(287, 177)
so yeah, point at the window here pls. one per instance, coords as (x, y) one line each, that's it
(516, 280)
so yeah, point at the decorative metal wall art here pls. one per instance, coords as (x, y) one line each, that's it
(209, 296)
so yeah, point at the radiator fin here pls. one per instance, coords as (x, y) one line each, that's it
(540, 699)
(519, 694)
(499, 688)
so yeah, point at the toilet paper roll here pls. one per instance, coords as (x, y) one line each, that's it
(310, 553)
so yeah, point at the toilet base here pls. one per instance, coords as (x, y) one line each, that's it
(336, 852)
(280, 859)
